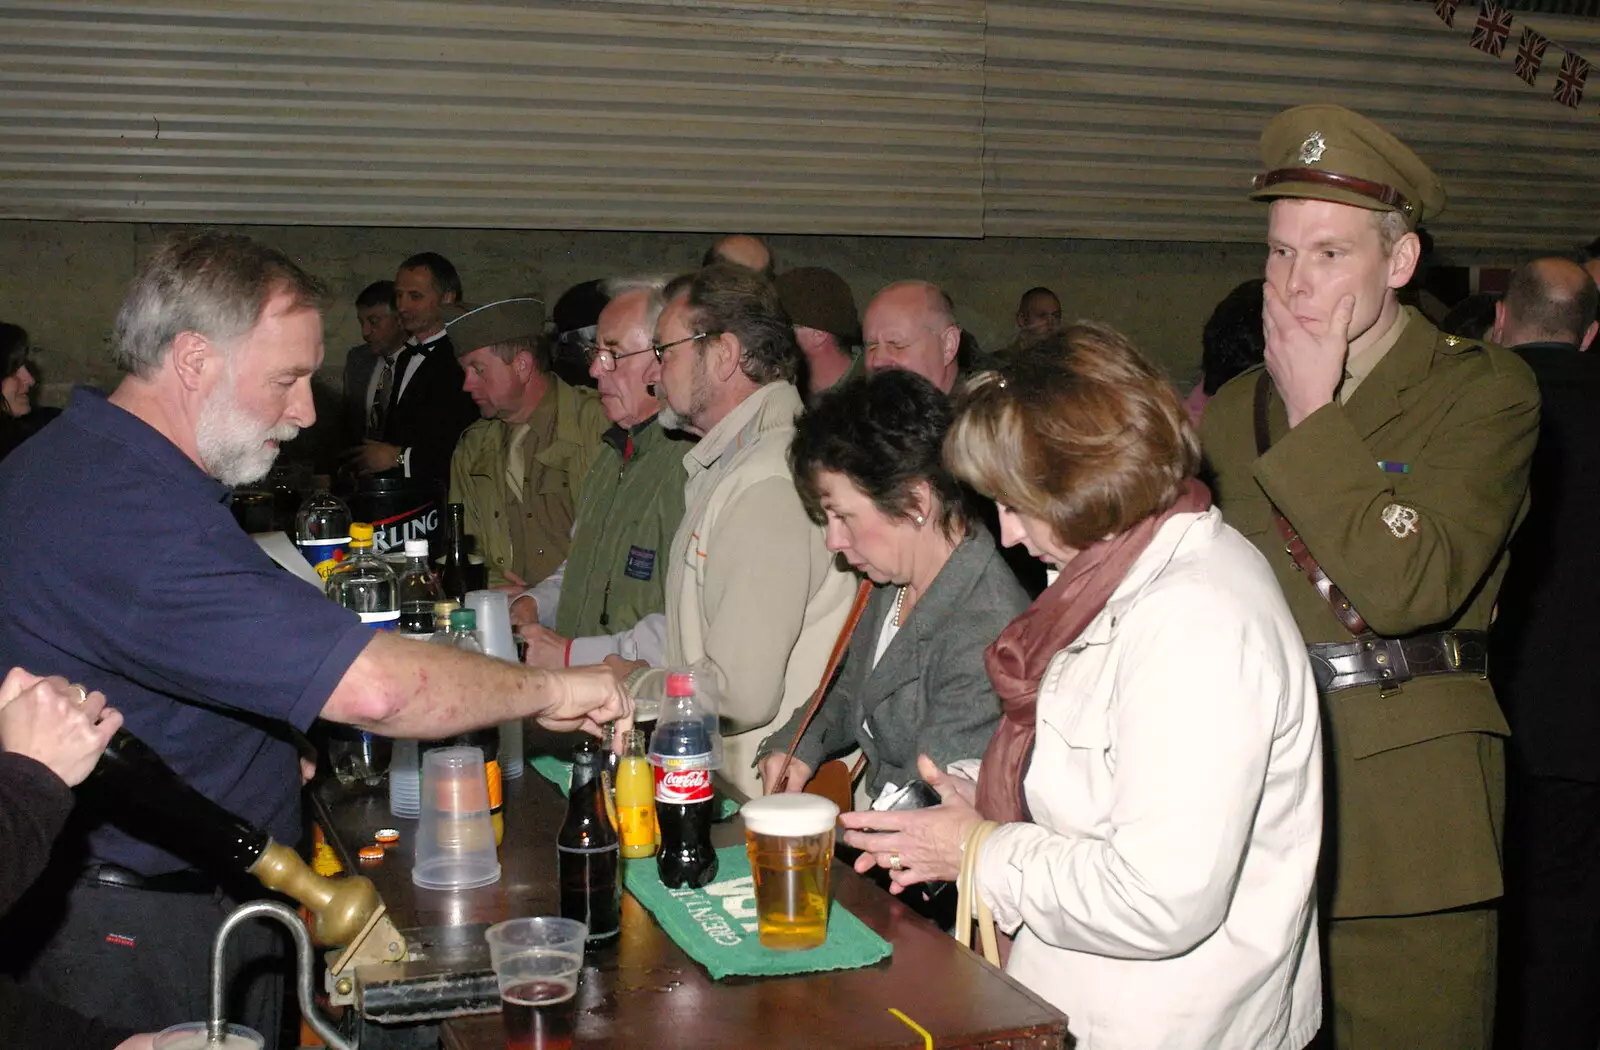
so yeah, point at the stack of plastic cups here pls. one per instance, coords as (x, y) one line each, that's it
(405, 780)
(455, 835)
(494, 634)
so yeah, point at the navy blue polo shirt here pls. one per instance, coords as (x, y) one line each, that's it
(123, 568)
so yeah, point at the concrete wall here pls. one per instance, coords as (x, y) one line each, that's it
(64, 280)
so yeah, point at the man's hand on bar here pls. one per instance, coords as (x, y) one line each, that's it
(587, 698)
(546, 648)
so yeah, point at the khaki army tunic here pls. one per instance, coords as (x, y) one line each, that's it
(1406, 495)
(519, 483)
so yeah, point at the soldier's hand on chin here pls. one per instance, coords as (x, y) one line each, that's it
(1306, 368)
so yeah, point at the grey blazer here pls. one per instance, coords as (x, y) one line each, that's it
(930, 693)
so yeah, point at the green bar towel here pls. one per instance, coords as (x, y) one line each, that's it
(559, 773)
(716, 925)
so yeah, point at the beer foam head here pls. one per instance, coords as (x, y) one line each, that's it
(789, 815)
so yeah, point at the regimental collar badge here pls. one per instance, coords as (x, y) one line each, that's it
(1402, 521)
(1312, 148)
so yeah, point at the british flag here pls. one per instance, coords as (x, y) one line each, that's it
(1569, 82)
(1493, 28)
(1530, 55)
(1446, 10)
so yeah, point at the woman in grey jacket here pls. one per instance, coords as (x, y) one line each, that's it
(867, 464)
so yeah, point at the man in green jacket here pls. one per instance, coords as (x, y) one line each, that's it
(518, 469)
(610, 597)
(1381, 467)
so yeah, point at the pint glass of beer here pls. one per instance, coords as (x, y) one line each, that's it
(536, 961)
(789, 839)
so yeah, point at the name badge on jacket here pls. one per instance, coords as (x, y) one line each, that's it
(641, 563)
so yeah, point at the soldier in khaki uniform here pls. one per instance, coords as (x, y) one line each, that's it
(1395, 468)
(517, 469)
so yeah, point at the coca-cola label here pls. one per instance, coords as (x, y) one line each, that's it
(679, 787)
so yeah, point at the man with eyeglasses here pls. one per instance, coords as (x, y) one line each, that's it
(910, 325)
(518, 469)
(754, 599)
(610, 597)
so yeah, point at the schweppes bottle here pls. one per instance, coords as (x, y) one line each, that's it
(322, 528)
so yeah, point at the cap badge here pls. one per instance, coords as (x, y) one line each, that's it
(1402, 520)
(1311, 149)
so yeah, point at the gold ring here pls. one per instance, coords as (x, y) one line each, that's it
(894, 861)
(83, 695)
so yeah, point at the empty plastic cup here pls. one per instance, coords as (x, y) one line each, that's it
(536, 962)
(789, 839)
(455, 836)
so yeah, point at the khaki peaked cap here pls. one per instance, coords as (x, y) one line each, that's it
(496, 323)
(1326, 152)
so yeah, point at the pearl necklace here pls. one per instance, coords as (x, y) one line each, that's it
(899, 597)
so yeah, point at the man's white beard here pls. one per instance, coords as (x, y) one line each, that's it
(233, 447)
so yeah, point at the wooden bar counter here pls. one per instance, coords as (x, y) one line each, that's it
(643, 992)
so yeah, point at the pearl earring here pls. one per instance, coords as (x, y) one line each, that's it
(919, 519)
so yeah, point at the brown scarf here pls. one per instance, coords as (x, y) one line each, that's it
(1018, 658)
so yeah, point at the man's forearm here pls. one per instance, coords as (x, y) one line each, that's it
(404, 689)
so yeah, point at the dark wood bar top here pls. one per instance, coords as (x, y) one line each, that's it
(643, 992)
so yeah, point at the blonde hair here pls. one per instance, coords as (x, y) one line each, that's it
(1078, 430)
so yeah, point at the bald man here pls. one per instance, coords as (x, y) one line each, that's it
(910, 325)
(1548, 301)
(741, 249)
(1551, 948)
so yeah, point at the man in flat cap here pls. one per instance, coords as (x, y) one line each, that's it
(1381, 467)
(518, 468)
(826, 326)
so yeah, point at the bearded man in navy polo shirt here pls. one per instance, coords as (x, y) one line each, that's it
(125, 571)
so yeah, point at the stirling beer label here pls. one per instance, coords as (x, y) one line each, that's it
(679, 787)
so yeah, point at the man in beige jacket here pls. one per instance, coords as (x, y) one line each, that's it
(754, 599)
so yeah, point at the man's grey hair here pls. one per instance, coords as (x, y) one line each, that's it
(211, 283)
(651, 284)
(1391, 227)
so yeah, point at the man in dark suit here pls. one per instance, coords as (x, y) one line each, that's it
(426, 408)
(1548, 620)
(382, 337)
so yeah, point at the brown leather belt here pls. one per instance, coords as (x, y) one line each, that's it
(1372, 660)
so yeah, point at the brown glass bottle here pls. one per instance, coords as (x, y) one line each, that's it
(454, 576)
(587, 850)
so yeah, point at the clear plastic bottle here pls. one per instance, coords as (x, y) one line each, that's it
(322, 528)
(460, 631)
(364, 583)
(419, 590)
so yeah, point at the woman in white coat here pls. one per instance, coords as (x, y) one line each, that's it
(1157, 773)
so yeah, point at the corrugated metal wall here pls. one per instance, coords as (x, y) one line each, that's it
(1072, 118)
(1139, 119)
(863, 116)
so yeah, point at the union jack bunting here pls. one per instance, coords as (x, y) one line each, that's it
(1493, 28)
(1446, 10)
(1530, 54)
(1569, 82)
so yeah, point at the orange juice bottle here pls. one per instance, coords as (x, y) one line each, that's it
(636, 800)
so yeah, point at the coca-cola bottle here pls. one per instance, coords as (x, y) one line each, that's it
(684, 749)
(587, 850)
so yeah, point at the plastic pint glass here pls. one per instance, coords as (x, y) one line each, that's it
(789, 839)
(536, 962)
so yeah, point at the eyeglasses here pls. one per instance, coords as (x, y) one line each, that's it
(662, 348)
(608, 358)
